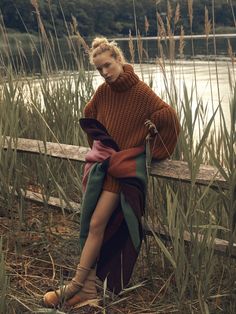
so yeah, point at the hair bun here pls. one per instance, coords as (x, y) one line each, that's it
(99, 41)
(100, 45)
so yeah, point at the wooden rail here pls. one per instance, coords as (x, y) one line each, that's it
(221, 247)
(169, 169)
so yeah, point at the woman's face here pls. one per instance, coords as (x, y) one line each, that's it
(109, 67)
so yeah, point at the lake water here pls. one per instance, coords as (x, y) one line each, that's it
(197, 47)
(184, 72)
(209, 69)
(205, 70)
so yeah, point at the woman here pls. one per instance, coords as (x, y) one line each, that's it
(118, 119)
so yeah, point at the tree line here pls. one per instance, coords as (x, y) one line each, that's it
(116, 17)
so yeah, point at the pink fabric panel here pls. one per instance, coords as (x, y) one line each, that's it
(98, 153)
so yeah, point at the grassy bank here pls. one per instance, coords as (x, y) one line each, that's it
(39, 245)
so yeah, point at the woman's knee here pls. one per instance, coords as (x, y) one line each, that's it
(105, 206)
(96, 227)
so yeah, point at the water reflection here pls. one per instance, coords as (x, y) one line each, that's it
(207, 80)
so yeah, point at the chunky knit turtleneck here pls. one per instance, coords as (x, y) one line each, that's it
(123, 106)
(126, 80)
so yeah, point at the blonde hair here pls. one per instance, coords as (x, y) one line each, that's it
(101, 44)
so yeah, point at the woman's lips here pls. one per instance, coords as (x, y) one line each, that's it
(108, 78)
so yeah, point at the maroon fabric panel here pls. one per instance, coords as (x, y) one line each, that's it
(134, 194)
(118, 255)
(97, 131)
(117, 259)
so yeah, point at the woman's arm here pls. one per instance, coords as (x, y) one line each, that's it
(167, 130)
(163, 125)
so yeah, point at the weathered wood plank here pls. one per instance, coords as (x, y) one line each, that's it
(220, 246)
(57, 150)
(179, 170)
(52, 201)
(170, 169)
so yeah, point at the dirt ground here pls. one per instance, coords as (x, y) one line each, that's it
(41, 249)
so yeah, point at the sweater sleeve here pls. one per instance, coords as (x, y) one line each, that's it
(167, 123)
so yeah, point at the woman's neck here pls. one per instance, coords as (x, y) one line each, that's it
(125, 80)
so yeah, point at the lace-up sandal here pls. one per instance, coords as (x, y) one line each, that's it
(87, 295)
(60, 296)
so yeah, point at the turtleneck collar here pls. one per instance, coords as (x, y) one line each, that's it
(126, 79)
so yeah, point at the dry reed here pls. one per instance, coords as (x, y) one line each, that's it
(188, 281)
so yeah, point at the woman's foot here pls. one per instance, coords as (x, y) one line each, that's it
(88, 293)
(61, 295)
(66, 292)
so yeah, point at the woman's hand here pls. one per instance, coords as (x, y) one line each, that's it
(151, 128)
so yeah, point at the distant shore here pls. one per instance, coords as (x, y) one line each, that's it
(177, 37)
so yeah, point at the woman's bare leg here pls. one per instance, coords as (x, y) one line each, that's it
(103, 211)
(105, 206)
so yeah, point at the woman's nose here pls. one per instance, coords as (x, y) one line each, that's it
(104, 72)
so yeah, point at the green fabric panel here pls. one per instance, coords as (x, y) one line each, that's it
(132, 222)
(129, 215)
(93, 191)
(91, 196)
(141, 172)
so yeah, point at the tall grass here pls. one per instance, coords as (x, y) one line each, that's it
(201, 211)
(48, 107)
(3, 280)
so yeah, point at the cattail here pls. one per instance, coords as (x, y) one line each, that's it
(35, 4)
(190, 12)
(169, 11)
(171, 40)
(40, 23)
(181, 43)
(74, 24)
(81, 40)
(207, 23)
(146, 24)
(131, 47)
(71, 29)
(177, 14)
(168, 26)
(140, 47)
(161, 26)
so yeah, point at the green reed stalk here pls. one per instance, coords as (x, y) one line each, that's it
(4, 281)
(49, 107)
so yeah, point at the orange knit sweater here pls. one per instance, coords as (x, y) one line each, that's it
(123, 106)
